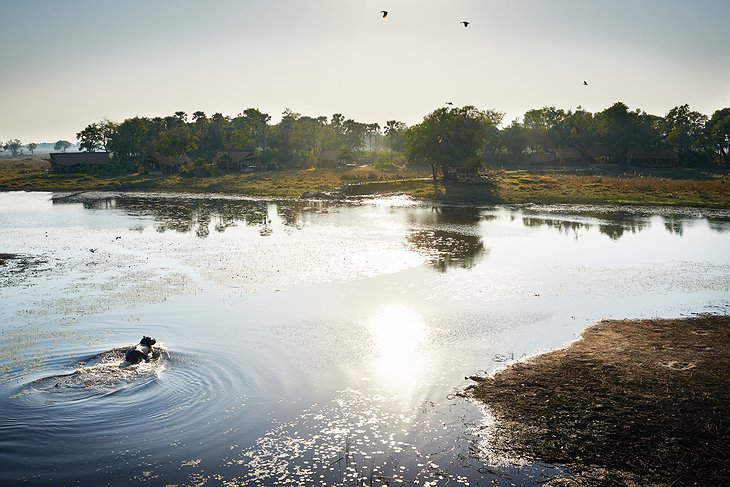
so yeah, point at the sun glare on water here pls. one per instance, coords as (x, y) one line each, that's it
(398, 333)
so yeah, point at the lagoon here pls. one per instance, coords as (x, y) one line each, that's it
(307, 342)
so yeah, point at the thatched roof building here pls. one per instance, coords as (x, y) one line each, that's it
(66, 162)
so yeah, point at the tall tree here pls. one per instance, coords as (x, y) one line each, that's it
(544, 129)
(684, 129)
(176, 141)
(260, 122)
(14, 146)
(514, 139)
(62, 145)
(620, 128)
(718, 133)
(31, 147)
(394, 134)
(96, 136)
(447, 137)
(354, 133)
(372, 130)
(128, 141)
(337, 123)
(579, 130)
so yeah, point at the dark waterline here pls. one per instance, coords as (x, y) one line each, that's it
(309, 342)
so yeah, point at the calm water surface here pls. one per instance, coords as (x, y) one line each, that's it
(306, 342)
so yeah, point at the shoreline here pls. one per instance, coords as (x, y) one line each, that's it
(630, 402)
(513, 186)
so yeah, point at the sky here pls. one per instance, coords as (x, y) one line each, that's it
(69, 63)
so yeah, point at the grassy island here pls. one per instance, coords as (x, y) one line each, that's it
(508, 186)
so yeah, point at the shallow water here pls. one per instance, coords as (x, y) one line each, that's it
(307, 342)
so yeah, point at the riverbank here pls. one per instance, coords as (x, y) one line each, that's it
(630, 403)
(508, 186)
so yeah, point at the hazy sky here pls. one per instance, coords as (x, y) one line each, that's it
(68, 63)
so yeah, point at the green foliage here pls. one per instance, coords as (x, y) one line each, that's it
(718, 133)
(95, 137)
(450, 136)
(445, 137)
(684, 130)
(62, 145)
(14, 146)
(176, 141)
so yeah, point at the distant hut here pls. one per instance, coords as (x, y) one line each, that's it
(568, 156)
(467, 172)
(158, 164)
(237, 160)
(660, 157)
(68, 162)
(602, 153)
(334, 158)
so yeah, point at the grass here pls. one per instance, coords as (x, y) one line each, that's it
(510, 187)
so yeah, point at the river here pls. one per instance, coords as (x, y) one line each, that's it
(306, 342)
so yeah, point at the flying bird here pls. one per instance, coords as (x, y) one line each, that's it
(585, 83)
(466, 24)
(449, 103)
(384, 12)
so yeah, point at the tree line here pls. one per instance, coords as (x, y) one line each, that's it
(446, 136)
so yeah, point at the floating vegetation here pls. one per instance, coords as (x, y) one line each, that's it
(355, 440)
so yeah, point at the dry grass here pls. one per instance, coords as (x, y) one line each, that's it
(632, 402)
(509, 187)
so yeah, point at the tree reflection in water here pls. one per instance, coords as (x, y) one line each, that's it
(448, 237)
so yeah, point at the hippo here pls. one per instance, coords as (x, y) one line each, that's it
(141, 351)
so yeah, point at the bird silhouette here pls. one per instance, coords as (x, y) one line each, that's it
(466, 24)
(449, 103)
(384, 12)
(585, 83)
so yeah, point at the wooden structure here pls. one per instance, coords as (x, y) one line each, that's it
(568, 155)
(334, 158)
(237, 160)
(159, 164)
(661, 157)
(68, 162)
(468, 172)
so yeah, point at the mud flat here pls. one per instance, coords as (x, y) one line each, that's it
(629, 403)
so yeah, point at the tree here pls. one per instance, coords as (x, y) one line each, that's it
(176, 141)
(579, 131)
(544, 129)
(372, 130)
(62, 145)
(31, 147)
(259, 121)
(96, 136)
(619, 128)
(684, 129)
(514, 139)
(14, 146)
(447, 137)
(128, 141)
(337, 124)
(354, 133)
(718, 133)
(394, 134)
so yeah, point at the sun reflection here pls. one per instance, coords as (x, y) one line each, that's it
(398, 333)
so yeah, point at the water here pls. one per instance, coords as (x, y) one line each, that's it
(306, 342)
